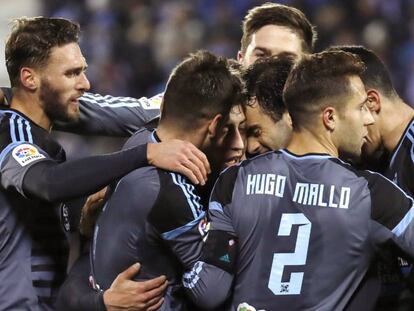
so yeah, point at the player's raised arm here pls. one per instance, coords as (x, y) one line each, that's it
(106, 114)
(113, 116)
(28, 169)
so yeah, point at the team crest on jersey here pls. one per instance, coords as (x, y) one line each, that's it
(25, 154)
(246, 307)
(153, 102)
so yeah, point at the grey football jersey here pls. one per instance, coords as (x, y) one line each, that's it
(33, 246)
(152, 217)
(308, 228)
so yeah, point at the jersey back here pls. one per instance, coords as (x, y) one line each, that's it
(307, 228)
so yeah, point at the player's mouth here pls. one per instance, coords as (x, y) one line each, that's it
(232, 160)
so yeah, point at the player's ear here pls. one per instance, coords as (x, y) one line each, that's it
(329, 118)
(374, 101)
(29, 78)
(214, 124)
(288, 118)
(240, 57)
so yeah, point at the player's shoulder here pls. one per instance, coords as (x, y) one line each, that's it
(140, 137)
(178, 202)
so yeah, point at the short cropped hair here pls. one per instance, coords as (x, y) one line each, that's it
(200, 87)
(319, 80)
(376, 75)
(31, 41)
(265, 80)
(280, 15)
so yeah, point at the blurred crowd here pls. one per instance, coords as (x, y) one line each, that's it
(131, 45)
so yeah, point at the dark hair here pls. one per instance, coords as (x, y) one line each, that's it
(200, 87)
(281, 15)
(376, 75)
(31, 41)
(265, 80)
(317, 80)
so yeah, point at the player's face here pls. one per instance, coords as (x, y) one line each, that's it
(268, 41)
(263, 133)
(231, 139)
(353, 121)
(63, 81)
(374, 144)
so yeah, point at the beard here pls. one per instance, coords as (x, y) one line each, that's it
(54, 106)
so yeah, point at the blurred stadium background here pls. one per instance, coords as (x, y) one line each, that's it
(131, 45)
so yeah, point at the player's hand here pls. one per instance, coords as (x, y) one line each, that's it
(181, 157)
(90, 212)
(1, 97)
(125, 294)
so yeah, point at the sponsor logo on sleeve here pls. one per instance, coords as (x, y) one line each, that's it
(25, 154)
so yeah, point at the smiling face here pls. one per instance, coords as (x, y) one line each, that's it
(264, 133)
(351, 129)
(62, 82)
(268, 41)
(231, 140)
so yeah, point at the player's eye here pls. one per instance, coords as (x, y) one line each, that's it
(254, 132)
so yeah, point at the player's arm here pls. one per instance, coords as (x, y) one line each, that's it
(113, 116)
(44, 178)
(124, 293)
(392, 217)
(209, 281)
(106, 114)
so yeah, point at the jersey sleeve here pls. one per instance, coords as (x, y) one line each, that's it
(114, 116)
(178, 217)
(15, 160)
(392, 214)
(208, 282)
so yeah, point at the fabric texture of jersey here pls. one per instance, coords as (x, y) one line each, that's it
(114, 116)
(401, 165)
(308, 228)
(33, 247)
(151, 217)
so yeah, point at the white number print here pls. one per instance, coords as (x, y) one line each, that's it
(298, 257)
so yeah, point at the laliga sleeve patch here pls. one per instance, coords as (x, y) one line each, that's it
(25, 154)
(153, 102)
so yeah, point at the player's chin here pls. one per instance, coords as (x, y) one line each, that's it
(73, 114)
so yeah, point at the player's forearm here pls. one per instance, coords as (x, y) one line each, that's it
(207, 286)
(57, 182)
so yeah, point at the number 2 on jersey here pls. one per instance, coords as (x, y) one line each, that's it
(298, 257)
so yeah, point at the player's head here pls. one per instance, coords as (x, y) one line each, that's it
(272, 28)
(43, 58)
(326, 97)
(380, 91)
(269, 125)
(200, 93)
(230, 141)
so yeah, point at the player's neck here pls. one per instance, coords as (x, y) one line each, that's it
(396, 121)
(166, 133)
(305, 142)
(31, 106)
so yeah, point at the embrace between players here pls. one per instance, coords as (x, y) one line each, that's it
(295, 228)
